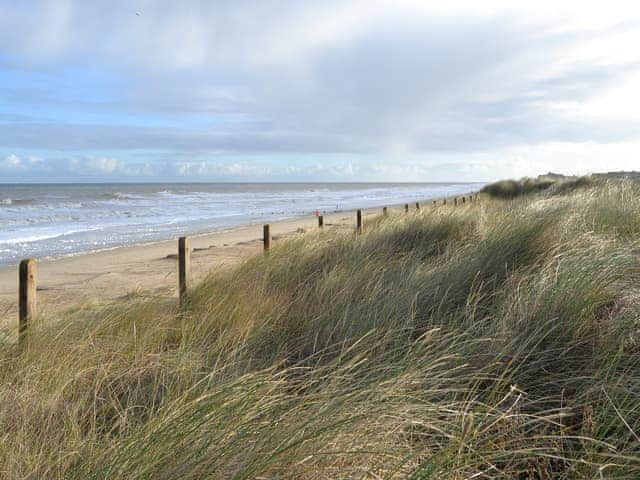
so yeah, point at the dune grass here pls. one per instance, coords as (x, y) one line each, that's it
(491, 340)
(508, 189)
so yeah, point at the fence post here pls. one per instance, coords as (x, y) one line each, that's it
(417, 205)
(463, 199)
(359, 227)
(184, 267)
(470, 198)
(385, 212)
(455, 201)
(266, 236)
(320, 221)
(26, 295)
(406, 208)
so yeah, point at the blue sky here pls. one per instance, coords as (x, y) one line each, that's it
(349, 90)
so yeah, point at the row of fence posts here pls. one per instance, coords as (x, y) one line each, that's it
(27, 268)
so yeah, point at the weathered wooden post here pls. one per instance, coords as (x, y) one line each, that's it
(417, 205)
(444, 202)
(435, 203)
(26, 295)
(406, 208)
(320, 221)
(455, 201)
(463, 199)
(359, 226)
(184, 267)
(385, 211)
(266, 237)
(470, 198)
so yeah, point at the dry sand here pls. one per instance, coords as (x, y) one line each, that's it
(107, 275)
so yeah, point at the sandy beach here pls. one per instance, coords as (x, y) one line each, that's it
(103, 276)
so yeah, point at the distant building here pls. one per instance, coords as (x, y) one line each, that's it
(632, 174)
(553, 176)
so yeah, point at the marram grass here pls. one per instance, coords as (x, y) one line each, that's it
(499, 339)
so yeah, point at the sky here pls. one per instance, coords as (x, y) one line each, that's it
(349, 90)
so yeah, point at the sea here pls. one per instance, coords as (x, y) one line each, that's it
(45, 221)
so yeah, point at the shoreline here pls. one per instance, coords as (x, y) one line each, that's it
(150, 243)
(151, 268)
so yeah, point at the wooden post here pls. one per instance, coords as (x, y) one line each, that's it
(184, 267)
(406, 208)
(266, 237)
(435, 203)
(470, 198)
(385, 212)
(359, 226)
(444, 202)
(455, 201)
(320, 221)
(463, 199)
(417, 205)
(26, 295)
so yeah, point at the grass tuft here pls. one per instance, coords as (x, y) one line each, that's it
(509, 189)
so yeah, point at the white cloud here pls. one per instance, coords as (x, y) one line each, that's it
(219, 169)
(103, 165)
(504, 85)
(13, 161)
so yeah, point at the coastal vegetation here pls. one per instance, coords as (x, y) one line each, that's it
(495, 339)
(515, 188)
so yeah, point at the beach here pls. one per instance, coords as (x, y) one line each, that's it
(52, 220)
(151, 269)
(97, 243)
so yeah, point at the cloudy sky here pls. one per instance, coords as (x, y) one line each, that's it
(316, 91)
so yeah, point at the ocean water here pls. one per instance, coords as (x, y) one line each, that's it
(54, 220)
